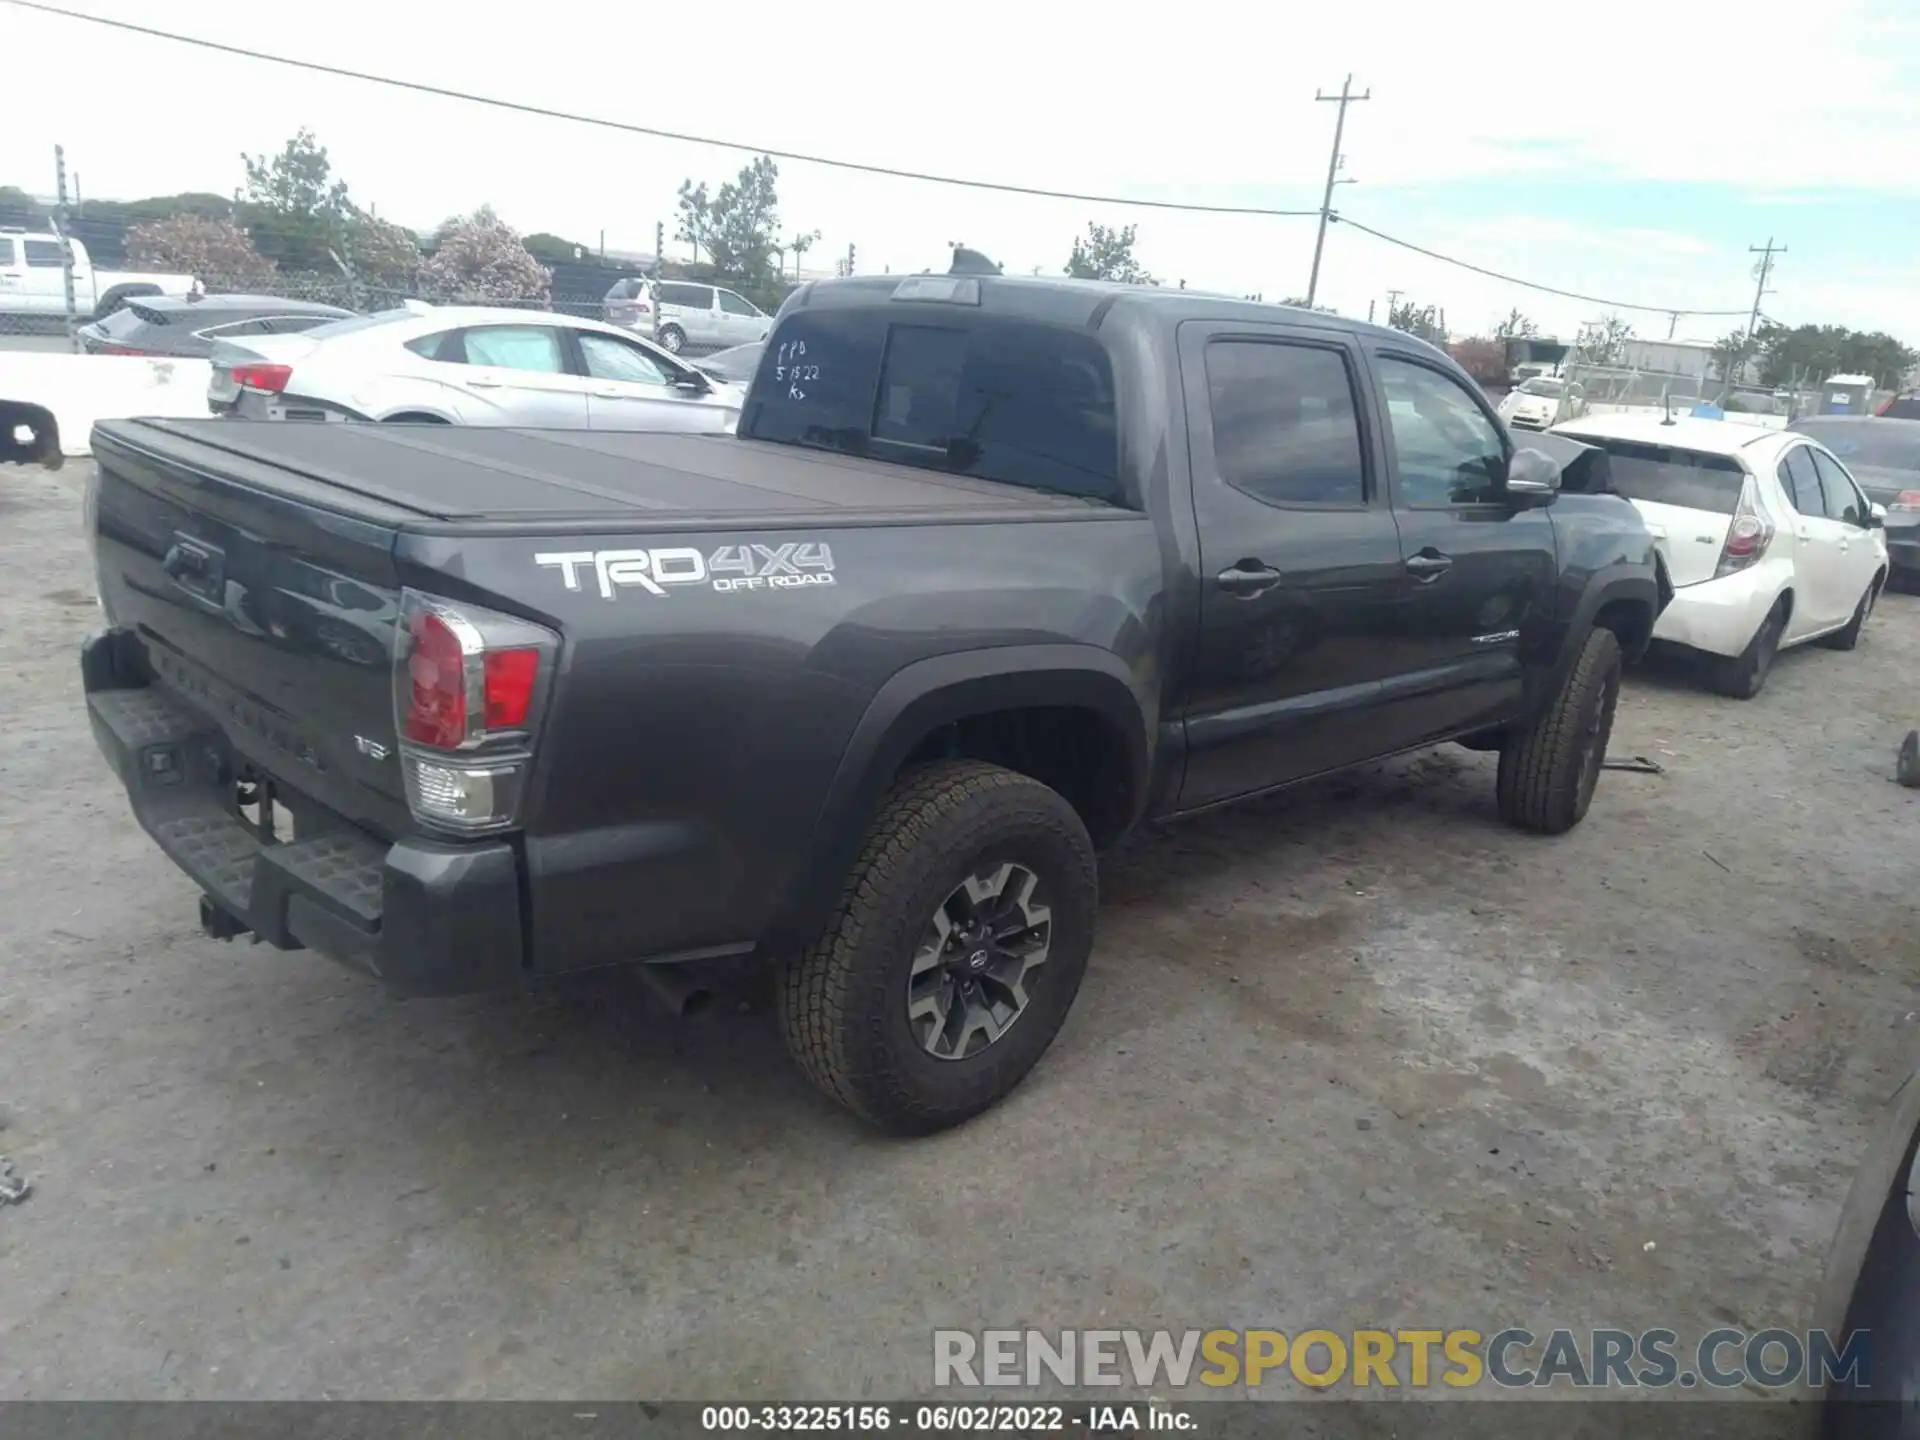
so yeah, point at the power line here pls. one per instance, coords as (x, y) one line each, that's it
(1340, 219)
(525, 109)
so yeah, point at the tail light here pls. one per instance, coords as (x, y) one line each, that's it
(469, 688)
(1906, 500)
(110, 349)
(270, 378)
(1749, 534)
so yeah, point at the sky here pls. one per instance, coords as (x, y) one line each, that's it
(1631, 151)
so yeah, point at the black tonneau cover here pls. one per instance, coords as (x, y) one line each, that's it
(473, 473)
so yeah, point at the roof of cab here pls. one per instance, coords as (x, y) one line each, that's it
(1066, 301)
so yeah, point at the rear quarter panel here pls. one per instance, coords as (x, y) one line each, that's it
(694, 735)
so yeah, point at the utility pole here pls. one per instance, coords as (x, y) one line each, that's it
(1345, 98)
(1393, 299)
(1673, 323)
(659, 247)
(1766, 254)
(1370, 305)
(66, 245)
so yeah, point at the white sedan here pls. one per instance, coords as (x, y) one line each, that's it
(467, 365)
(1536, 403)
(1769, 541)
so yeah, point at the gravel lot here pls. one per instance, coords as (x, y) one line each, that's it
(1353, 1057)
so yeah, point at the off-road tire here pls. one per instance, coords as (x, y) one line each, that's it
(673, 338)
(1848, 635)
(1745, 675)
(843, 1000)
(1548, 771)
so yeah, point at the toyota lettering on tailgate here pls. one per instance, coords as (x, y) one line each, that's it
(788, 566)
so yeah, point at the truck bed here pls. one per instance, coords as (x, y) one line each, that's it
(420, 476)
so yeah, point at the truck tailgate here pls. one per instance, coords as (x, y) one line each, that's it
(261, 609)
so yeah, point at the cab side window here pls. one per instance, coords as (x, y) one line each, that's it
(1449, 451)
(1285, 427)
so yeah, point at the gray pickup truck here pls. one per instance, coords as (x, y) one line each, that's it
(994, 570)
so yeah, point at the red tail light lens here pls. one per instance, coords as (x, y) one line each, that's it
(1749, 534)
(436, 711)
(270, 378)
(467, 690)
(1905, 500)
(510, 678)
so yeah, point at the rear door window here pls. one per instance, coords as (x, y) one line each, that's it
(1843, 503)
(1665, 475)
(1284, 426)
(735, 305)
(609, 359)
(515, 347)
(997, 398)
(1802, 481)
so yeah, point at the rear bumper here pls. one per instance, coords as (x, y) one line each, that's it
(424, 916)
(1721, 616)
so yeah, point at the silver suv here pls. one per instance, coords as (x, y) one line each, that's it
(690, 315)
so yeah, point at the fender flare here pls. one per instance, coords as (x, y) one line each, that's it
(920, 699)
(1621, 580)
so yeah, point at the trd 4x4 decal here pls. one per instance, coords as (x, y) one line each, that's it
(753, 566)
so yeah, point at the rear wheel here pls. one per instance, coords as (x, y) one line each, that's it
(1745, 675)
(1548, 772)
(957, 948)
(673, 337)
(1847, 638)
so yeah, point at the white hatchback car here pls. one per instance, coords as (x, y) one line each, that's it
(1537, 402)
(1768, 540)
(469, 365)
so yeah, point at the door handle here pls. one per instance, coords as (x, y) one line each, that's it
(1428, 564)
(478, 383)
(1248, 578)
(608, 393)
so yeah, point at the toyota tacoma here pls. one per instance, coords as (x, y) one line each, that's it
(993, 571)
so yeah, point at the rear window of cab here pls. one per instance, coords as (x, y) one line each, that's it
(988, 396)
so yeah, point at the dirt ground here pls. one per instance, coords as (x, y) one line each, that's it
(1357, 1056)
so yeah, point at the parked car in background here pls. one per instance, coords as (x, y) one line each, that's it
(1541, 401)
(1883, 455)
(468, 365)
(735, 365)
(705, 317)
(185, 327)
(1902, 407)
(33, 278)
(1769, 541)
(629, 304)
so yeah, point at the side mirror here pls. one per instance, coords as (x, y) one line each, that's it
(1876, 516)
(693, 382)
(1533, 477)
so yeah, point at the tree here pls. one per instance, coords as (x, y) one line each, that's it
(556, 250)
(1515, 327)
(1810, 353)
(295, 210)
(1604, 341)
(743, 224)
(1485, 360)
(1107, 254)
(481, 258)
(1729, 355)
(798, 247)
(1420, 320)
(695, 216)
(382, 256)
(17, 207)
(216, 252)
